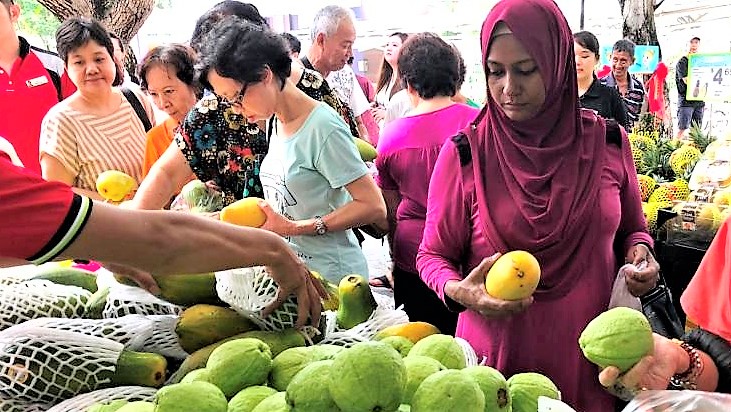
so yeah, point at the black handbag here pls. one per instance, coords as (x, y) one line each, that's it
(658, 307)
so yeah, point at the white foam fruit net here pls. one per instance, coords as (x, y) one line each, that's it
(153, 334)
(15, 405)
(45, 365)
(126, 300)
(249, 290)
(469, 352)
(40, 298)
(16, 274)
(82, 402)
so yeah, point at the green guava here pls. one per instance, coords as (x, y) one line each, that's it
(196, 375)
(400, 343)
(111, 406)
(618, 337)
(196, 396)
(448, 390)
(369, 376)
(442, 348)
(309, 391)
(418, 368)
(238, 364)
(247, 399)
(525, 388)
(493, 386)
(274, 403)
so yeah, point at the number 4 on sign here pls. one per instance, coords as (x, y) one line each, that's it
(718, 77)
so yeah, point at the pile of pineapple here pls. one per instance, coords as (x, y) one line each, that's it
(664, 167)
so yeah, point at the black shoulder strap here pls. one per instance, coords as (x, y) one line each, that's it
(614, 135)
(137, 106)
(463, 148)
(306, 62)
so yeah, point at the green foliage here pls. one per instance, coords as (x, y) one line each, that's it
(37, 21)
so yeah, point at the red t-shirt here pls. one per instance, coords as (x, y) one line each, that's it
(39, 219)
(37, 82)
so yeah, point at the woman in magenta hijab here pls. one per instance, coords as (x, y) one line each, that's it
(535, 172)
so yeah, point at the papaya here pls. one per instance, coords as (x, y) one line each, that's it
(356, 301)
(95, 305)
(366, 150)
(413, 331)
(183, 289)
(139, 369)
(201, 325)
(333, 300)
(68, 276)
(618, 337)
(277, 341)
(244, 212)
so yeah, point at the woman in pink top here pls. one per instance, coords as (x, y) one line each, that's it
(408, 149)
(542, 175)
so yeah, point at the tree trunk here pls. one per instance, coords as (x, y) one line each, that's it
(122, 17)
(639, 26)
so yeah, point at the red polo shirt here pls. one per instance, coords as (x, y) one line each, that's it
(39, 219)
(37, 82)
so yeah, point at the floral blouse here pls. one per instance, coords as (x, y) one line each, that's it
(221, 146)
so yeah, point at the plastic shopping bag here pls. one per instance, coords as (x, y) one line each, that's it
(679, 401)
(621, 295)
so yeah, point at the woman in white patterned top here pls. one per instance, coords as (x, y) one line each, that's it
(95, 129)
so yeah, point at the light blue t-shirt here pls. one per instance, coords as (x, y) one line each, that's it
(304, 176)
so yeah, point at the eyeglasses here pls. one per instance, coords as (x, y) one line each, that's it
(238, 98)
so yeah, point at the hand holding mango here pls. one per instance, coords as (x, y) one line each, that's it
(514, 276)
(115, 186)
(471, 292)
(244, 212)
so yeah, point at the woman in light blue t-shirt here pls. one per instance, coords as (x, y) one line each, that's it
(316, 186)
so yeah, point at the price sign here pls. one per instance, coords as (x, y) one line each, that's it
(709, 77)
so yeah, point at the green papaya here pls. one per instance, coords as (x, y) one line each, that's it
(356, 301)
(68, 276)
(202, 325)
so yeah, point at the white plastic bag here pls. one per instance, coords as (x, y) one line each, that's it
(552, 405)
(679, 401)
(621, 295)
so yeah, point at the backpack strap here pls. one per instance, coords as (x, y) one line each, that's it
(137, 106)
(463, 148)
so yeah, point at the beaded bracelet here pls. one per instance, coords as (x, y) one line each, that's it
(688, 379)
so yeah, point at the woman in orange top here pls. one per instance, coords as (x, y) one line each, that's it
(167, 74)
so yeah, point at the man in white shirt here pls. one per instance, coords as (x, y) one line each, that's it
(333, 35)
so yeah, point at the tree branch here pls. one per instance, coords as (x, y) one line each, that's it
(657, 5)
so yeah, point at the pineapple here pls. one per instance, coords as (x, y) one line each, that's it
(656, 162)
(699, 139)
(683, 160)
(647, 186)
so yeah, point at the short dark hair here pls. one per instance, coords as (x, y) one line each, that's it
(178, 57)
(242, 51)
(119, 40)
(75, 32)
(206, 22)
(626, 46)
(695, 38)
(588, 41)
(429, 65)
(295, 46)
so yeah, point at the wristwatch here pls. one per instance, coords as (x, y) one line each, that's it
(320, 226)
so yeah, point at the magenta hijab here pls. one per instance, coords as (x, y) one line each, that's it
(537, 181)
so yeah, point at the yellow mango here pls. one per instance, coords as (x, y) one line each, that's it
(413, 331)
(514, 276)
(244, 212)
(114, 185)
